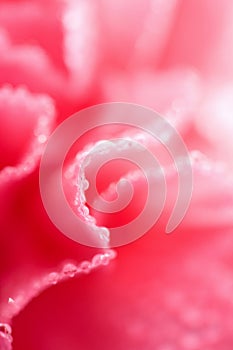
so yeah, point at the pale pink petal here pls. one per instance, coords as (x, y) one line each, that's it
(173, 93)
(202, 37)
(81, 45)
(214, 121)
(134, 32)
(210, 207)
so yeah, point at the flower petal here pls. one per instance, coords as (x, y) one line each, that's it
(26, 122)
(164, 292)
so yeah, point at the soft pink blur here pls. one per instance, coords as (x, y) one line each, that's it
(161, 292)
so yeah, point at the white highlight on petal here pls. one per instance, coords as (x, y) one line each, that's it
(11, 300)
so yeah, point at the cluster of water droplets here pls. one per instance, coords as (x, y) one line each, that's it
(77, 174)
(67, 271)
(70, 270)
(40, 134)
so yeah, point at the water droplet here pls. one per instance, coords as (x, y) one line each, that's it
(85, 185)
(84, 211)
(103, 259)
(111, 253)
(42, 138)
(53, 278)
(69, 270)
(82, 196)
(86, 266)
(97, 260)
(104, 233)
(86, 161)
(76, 202)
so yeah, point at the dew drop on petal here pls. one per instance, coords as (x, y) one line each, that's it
(53, 278)
(97, 260)
(103, 259)
(104, 233)
(69, 270)
(42, 138)
(111, 254)
(86, 266)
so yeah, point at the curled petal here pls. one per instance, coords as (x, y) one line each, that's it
(33, 23)
(26, 123)
(30, 65)
(201, 33)
(179, 285)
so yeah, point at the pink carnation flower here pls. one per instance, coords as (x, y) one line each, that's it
(163, 292)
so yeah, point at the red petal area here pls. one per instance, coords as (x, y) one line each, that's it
(163, 292)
